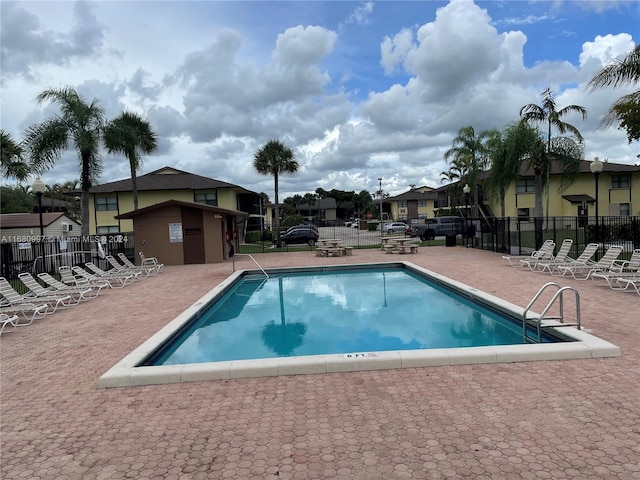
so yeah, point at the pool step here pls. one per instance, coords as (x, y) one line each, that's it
(547, 321)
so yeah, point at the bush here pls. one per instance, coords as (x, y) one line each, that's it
(292, 220)
(372, 226)
(253, 237)
(267, 236)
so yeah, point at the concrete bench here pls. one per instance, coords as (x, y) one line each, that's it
(348, 250)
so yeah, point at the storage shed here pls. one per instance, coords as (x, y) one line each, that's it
(179, 233)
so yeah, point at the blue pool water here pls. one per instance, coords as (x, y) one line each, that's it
(314, 313)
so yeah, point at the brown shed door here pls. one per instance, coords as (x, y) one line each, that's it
(193, 237)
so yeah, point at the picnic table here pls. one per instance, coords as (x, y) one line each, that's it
(400, 245)
(332, 247)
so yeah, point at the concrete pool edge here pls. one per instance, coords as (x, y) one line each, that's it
(126, 373)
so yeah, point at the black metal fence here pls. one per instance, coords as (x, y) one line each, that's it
(36, 255)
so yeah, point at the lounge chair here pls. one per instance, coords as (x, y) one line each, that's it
(128, 264)
(630, 281)
(561, 256)
(29, 311)
(585, 257)
(620, 268)
(113, 280)
(545, 251)
(7, 321)
(82, 293)
(150, 261)
(119, 268)
(110, 273)
(584, 271)
(13, 298)
(38, 291)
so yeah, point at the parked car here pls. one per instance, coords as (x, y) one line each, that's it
(396, 227)
(434, 227)
(299, 235)
(304, 225)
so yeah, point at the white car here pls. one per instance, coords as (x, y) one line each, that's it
(395, 227)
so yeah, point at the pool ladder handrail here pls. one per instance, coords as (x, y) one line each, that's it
(539, 320)
(251, 257)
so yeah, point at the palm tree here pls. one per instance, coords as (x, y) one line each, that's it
(309, 199)
(79, 123)
(130, 135)
(12, 164)
(470, 154)
(547, 113)
(523, 143)
(626, 109)
(272, 159)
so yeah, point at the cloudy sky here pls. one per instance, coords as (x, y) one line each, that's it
(358, 90)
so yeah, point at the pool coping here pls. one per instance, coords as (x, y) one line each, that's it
(127, 373)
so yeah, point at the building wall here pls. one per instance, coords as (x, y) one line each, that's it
(151, 235)
(54, 230)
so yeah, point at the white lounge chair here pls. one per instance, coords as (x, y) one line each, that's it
(620, 268)
(150, 261)
(83, 293)
(38, 291)
(113, 280)
(128, 264)
(118, 268)
(561, 256)
(585, 257)
(13, 297)
(126, 277)
(29, 311)
(584, 271)
(7, 321)
(630, 281)
(545, 251)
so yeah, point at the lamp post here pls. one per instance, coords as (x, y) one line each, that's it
(380, 199)
(466, 189)
(39, 187)
(596, 168)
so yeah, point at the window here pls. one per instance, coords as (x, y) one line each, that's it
(619, 181)
(526, 185)
(106, 230)
(106, 203)
(422, 203)
(625, 209)
(402, 204)
(207, 198)
(402, 217)
(422, 215)
(523, 212)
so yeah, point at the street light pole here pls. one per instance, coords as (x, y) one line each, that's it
(380, 200)
(38, 187)
(466, 189)
(596, 168)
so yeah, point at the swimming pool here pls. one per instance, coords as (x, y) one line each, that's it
(383, 348)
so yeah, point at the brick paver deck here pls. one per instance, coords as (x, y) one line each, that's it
(558, 419)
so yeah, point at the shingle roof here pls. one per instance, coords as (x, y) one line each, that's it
(166, 178)
(200, 206)
(28, 220)
(413, 195)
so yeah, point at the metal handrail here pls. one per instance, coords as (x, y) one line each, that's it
(251, 257)
(558, 295)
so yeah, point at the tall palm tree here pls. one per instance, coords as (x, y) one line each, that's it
(626, 109)
(470, 153)
(548, 113)
(13, 164)
(309, 199)
(80, 123)
(130, 135)
(275, 158)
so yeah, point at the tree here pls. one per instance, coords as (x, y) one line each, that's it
(310, 200)
(130, 135)
(13, 164)
(547, 113)
(470, 154)
(275, 158)
(79, 123)
(626, 110)
(16, 200)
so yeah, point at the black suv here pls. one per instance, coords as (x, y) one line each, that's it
(438, 226)
(297, 235)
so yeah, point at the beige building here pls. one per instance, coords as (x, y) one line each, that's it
(110, 201)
